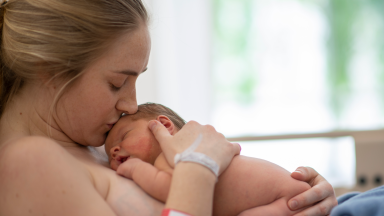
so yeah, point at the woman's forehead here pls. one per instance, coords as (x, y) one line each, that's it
(129, 52)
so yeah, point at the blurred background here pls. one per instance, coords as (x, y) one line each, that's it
(272, 67)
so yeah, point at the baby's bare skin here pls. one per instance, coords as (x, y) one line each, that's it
(248, 183)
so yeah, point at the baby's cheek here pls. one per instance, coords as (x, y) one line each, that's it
(113, 164)
(145, 149)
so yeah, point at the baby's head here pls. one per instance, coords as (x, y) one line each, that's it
(130, 137)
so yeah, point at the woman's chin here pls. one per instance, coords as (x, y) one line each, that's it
(97, 141)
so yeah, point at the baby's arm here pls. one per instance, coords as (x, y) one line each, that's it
(152, 180)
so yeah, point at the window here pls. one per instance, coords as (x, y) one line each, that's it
(270, 67)
(297, 66)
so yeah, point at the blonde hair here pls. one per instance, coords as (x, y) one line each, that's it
(57, 39)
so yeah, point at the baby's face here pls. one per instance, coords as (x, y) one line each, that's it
(131, 139)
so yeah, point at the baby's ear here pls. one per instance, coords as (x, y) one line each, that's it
(167, 123)
(113, 151)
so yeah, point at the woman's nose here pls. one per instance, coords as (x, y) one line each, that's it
(128, 104)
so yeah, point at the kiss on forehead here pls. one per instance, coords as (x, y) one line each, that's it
(131, 138)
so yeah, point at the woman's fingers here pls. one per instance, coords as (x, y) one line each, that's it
(321, 193)
(321, 209)
(159, 131)
(237, 148)
(305, 174)
(171, 145)
(164, 138)
(310, 197)
(209, 142)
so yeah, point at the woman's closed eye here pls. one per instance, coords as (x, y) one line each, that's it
(114, 87)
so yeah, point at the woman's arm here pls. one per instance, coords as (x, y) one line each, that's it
(192, 189)
(321, 194)
(38, 177)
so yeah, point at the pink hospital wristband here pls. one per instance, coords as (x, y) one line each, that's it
(172, 212)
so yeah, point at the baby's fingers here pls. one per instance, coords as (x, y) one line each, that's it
(127, 168)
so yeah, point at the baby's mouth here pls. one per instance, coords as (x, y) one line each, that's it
(122, 159)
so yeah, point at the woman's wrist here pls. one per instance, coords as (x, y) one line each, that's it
(192, 189)
(189, 155)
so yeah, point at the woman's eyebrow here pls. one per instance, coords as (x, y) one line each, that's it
(131, 73)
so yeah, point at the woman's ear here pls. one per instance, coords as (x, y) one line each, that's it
(167, 123)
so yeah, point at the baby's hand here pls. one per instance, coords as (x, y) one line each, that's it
(127, 168)
(153, 181)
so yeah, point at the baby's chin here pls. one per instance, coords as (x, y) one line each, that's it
(113, 164)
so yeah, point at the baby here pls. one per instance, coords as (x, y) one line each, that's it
(248, 183)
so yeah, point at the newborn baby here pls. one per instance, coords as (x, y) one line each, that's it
(249, 186)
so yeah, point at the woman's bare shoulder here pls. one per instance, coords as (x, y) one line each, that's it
(39, 176)
(25, 149)
(28, 143)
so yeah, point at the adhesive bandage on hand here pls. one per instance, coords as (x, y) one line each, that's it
(190, 156)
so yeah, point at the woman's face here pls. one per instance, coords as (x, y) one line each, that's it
(96, 100)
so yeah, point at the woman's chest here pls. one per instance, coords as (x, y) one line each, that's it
(123, 195)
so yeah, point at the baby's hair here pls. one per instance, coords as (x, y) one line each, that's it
(152, 110)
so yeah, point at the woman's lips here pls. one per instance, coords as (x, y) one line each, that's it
(111, 125)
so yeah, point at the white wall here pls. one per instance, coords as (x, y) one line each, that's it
(179, 71)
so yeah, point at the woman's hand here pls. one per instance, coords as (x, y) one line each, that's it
(320, 199)
(213, 144)
(192, 185)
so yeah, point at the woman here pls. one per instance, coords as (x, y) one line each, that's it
(68, 73)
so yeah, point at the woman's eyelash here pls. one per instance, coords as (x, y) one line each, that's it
(114, 88)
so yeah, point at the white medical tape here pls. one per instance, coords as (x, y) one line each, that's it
(190, 156)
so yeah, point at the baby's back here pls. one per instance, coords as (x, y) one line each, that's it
(251, 182)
